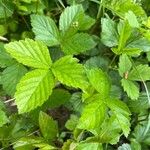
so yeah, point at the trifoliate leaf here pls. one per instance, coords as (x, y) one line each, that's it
(70, 19)
(109, 34)
(89, 146)
(99, 81)
(68, 71)
(3, 118)
(93, 114)
(122, 114)
(124, 65)
(34, 89)
(45, 30)
(48, 126)
(140, 73)
(132, 19)
(78, 43)
(131, 88)
(31, 53)
(11, 76)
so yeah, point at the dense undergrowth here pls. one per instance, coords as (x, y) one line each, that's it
(74, 74)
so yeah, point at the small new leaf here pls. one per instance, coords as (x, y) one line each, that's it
(122, 114)
(131, 88)
(48, 126)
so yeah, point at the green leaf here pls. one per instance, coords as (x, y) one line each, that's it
(72, 122)
(58, 98)
(34, 89)
(99, 81)
(86, 23)
(140, 105)
(124, 32)
(68, 71)
(109, 34)
(109, 131)
(140, 73)
(122, 114)
(93, 114)
(78, 43)
(11, 76)
(132, 19)
(124, 65)
(124, 147)
(6, 8)
(70, 19)
(121, 7)
(3, 118)
(45, 30)
(31, 53)
(48, 126)
(89, 146)
(142, 132)
(5, 59)
(131, 88)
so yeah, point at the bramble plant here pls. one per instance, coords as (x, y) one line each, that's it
(75, 74)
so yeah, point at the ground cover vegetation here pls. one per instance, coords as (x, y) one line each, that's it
(74, 74)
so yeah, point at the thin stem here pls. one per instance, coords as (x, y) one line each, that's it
(111, 62)
(9, 100)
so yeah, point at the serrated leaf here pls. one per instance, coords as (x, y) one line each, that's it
(3, 118)
(100, 81)
(89, 146)
(93, 114)
(124, 65)
(132, 19)
(122, 114)
(86, 23)
(109, 34)
(72, 122)
(6, 8)
(140, 73)
(68, 71)
(48, 126)
(78, 43)
(11, 76)
(124, 147)
(70, 19)
(131, 88)
(121, 7)
(45, 29)
(33, 90)
(140, 105)
(109, 131)
(5, 59)
(31, 53)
